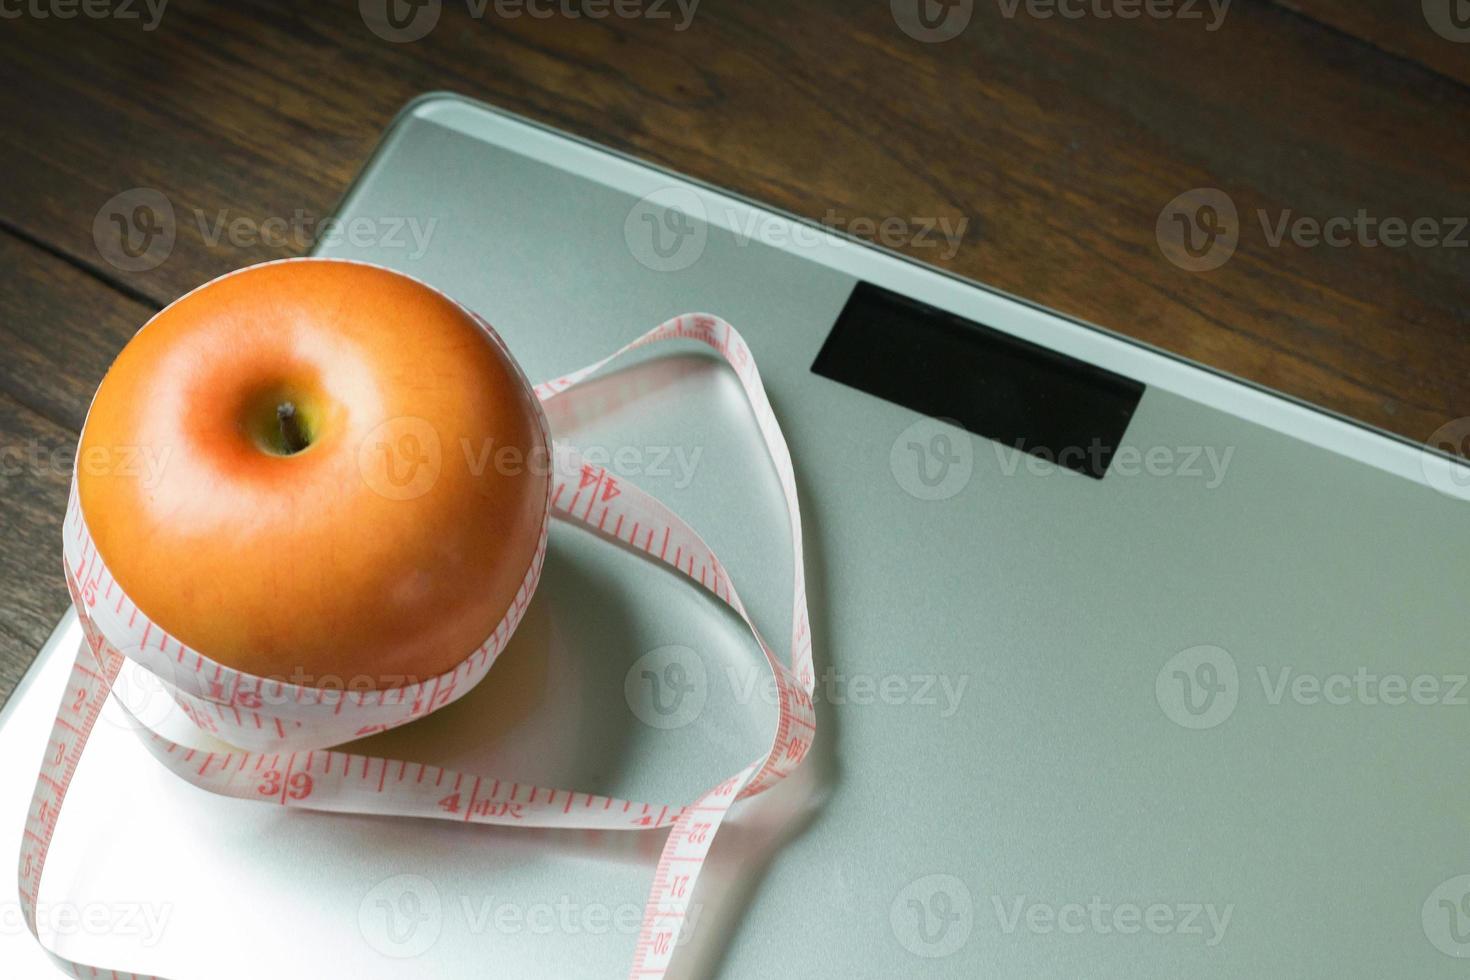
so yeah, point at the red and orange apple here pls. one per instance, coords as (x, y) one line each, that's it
(313, 515)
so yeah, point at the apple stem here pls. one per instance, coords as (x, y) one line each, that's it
(291, 435)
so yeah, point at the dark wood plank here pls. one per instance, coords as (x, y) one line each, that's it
(1059, 141)
(59, 328)
(35, 470)
(1419, 30)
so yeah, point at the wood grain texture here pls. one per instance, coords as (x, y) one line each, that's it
(35, 461)
(1058, 142)
(1419, 30)
(59, 330)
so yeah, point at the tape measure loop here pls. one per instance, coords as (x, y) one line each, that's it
(284, 733)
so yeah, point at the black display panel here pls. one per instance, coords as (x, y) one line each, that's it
(995, 385)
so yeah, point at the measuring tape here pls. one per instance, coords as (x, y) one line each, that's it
(283, 732)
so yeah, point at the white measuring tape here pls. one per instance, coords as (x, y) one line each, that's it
(285, 732)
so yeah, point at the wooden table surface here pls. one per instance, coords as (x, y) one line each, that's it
(1061, 141)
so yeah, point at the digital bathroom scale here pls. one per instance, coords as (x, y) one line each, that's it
(1125, 668)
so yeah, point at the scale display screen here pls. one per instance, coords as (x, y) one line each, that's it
(995, 385)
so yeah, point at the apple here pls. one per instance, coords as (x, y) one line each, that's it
(346, 474)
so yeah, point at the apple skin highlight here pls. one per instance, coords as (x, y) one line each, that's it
(384, 549)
